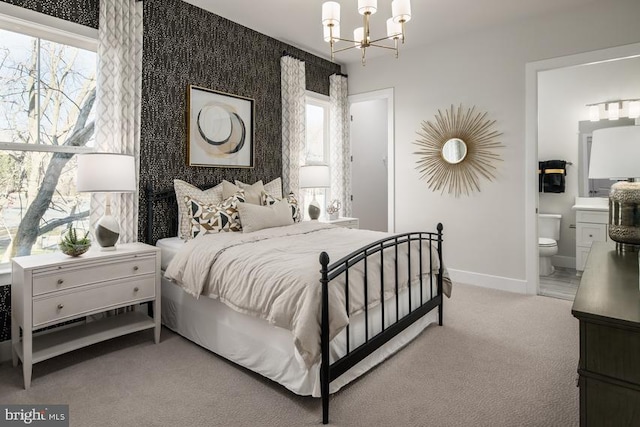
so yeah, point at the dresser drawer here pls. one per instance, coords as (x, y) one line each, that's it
(49, 280)
(62, 305)
(589, 233)
(612, 351)
(594, 217)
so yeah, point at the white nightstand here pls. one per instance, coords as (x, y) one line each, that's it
(345, 222)
(50, 289)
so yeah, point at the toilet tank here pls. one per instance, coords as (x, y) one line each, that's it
(549, 226)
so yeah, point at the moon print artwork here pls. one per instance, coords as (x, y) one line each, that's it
(220, 129)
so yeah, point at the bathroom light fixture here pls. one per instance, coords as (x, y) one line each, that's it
(401, 14)
(614, 109)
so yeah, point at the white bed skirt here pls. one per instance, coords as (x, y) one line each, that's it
(269, 350)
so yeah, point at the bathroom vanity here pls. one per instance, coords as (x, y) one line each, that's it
(592, 217)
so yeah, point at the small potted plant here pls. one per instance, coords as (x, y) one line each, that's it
(75, 243)
(334, 209)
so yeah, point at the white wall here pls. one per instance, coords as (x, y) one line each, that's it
(484, 233)
(562, 97)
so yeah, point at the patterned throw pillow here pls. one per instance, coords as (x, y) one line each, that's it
(214, 218)
(183, 189)
(296, 213)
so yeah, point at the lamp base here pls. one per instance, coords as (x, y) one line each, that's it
(314, 209)
(107, 233)
(624, 212)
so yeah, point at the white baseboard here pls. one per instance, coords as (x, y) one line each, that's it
(564, 261)
(5, 351)
(488, 281)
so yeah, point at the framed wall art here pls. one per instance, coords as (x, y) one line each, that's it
(220, 129)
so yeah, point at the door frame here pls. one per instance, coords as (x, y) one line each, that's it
(531, 141)
(388, 95)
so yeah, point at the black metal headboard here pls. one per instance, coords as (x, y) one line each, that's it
(161, 202)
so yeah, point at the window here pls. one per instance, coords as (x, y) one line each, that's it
(317, 142)
(47, 92)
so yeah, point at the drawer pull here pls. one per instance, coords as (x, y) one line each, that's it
(590, 235)
(135, 268)
(60, 306)
(136, 289)
(60, 282)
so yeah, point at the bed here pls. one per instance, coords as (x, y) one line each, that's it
(317, 339)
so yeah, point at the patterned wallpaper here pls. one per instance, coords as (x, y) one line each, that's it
(186, 45)
(84, 12)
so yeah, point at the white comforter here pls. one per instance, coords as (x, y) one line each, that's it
(274, 274)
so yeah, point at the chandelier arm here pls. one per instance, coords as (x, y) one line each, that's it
(384, 38)
(344, 40)
(343, 49)
(382, 46)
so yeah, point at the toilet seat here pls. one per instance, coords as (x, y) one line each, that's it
(546, 242)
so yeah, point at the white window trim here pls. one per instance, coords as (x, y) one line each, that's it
(36, 24)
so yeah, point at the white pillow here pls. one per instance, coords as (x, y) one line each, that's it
(252, 193)
(254, 218)
(272, 187)
(183, 190)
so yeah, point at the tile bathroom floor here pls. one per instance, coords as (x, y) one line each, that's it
(562, 284)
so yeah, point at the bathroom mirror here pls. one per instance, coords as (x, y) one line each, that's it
(454, 151)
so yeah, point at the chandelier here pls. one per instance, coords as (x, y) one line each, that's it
(401, 14)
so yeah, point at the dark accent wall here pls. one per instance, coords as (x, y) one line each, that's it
(83, 12)
(186, 45)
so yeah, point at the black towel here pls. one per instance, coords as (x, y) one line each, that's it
(552, 176)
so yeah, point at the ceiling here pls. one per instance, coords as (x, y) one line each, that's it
(298, 22)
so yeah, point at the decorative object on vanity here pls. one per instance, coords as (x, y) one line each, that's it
(314, 176)
(401, 14)
(220, 129)
(333, 209)
(613, 110)
(457, 150)
(106, 173)
(614, 154)
(74, 242)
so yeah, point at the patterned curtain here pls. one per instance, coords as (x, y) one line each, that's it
(293, 122)
(118, 102)
(339, 143)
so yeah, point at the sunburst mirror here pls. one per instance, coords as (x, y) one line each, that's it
(456, 150)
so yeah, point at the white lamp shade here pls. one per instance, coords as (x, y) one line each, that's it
(401, 10)
(331, 31)
(394, 29)
(614, 111)
(358, 37)
(330, 13)
(106, 173)
(615, 153)
(634, 109)
(367, 6)
(315, 176)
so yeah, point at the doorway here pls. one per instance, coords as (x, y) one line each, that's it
(531, 149)
(372, 167)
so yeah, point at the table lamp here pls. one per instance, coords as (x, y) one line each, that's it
(314, 176)
(615, 154)
(106, 173)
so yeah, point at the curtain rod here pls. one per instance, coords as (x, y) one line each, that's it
(285, 53)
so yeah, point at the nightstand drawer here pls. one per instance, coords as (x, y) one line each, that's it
(348, 224)
(63, 305)
(589, 233)
(45, 281)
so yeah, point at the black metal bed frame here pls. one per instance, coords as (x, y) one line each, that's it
(328, 272)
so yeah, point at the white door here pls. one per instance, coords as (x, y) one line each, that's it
(369, 177)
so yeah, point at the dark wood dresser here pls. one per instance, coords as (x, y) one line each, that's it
(608, 307)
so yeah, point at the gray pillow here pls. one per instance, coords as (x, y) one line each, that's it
(254, 218)
(252, 193)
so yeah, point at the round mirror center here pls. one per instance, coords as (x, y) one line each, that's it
(454, 151)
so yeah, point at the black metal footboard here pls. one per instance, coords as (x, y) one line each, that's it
(380, 249)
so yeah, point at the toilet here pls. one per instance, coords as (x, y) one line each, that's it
(548, 235)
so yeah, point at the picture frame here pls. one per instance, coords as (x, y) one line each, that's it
(220, 129)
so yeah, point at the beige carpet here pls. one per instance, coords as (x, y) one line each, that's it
(500, 360)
